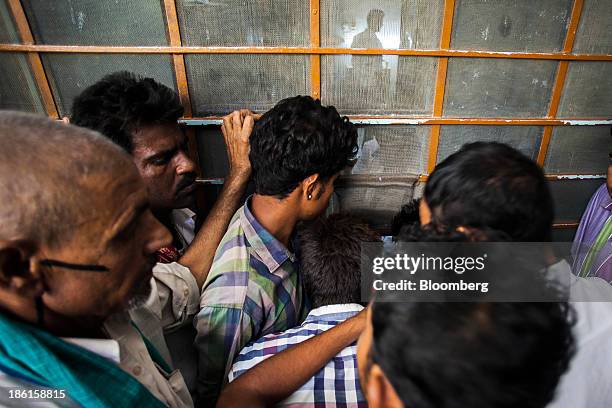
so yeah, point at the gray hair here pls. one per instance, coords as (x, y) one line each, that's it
(46, 168)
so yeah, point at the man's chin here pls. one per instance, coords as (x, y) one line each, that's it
(184, 201)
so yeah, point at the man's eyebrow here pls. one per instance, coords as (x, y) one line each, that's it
(163, 154)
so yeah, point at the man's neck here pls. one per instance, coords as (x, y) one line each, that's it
(278, 217)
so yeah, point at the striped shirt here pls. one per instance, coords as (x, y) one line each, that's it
(336, 384)
(253, 289)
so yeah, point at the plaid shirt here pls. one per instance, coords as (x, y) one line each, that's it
(253, 289)
(336, 384)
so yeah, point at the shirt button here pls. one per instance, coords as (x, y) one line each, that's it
(137, 370)
(186, 292)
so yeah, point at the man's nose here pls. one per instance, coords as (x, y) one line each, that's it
(185, 164)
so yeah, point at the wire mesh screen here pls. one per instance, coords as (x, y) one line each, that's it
(212, 153)
(70, 74)
(379, 84)
(523, 138)
(593, 35)
(588, 90)
(91, 22)
(381, 24)
(500, 25)
(244, 23)
(579, 149)
(498, 87)
(376, 202)
(219, 84)
(8, 34)
(18, 90)
(571, 197)
(392, 150)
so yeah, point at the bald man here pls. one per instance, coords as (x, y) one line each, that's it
(77, 245)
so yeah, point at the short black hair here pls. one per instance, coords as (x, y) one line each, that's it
(477, 355)
(407, 216)
(120, 103)
(474, 354)
(297, 138)
(490, 184)
(330, 253)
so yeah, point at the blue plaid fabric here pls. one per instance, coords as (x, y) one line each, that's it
(336, 384)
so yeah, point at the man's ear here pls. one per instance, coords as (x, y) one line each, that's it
(19, 270)
(311, 187)
(380, 392)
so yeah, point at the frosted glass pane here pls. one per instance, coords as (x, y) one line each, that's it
(392, 24)
(579, 149)
(95, 22)
(8, 33)
(593, 35)
(70, 74)
(392, 150)
(588, 90)
(244, 23)
(498, 87)
(501, 25)
(375, 84)
(219, 84)
(526, 139)
(20, 92)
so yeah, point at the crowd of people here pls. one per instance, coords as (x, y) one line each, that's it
(115, 292)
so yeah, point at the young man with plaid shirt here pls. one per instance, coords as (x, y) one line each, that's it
(254, 288)
(331, 250)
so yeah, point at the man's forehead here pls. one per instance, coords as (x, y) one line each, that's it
(157, 137)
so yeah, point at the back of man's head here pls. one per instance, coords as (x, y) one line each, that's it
(49, 172)
(477, 355)
(491, 185)
(122, 102)
(331, 258)
(296, 139)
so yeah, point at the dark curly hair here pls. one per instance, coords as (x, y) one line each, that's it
(298, 138)
(121, 102)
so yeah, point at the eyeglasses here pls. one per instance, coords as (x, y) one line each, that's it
(73, 266)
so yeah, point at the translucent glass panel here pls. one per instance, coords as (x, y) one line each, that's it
(501, 25)
(70, 74)
(524, 138)
(244, 23)
(8, 33)
(379, 84)
(571, 197)
(212, 152)
(377, 203)
(579, 149)
(96, 22)
(588, 90)
(219, 84)
(381, 24)
(593, 35)
(392, 150)
(18, 90)
(498, 87)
